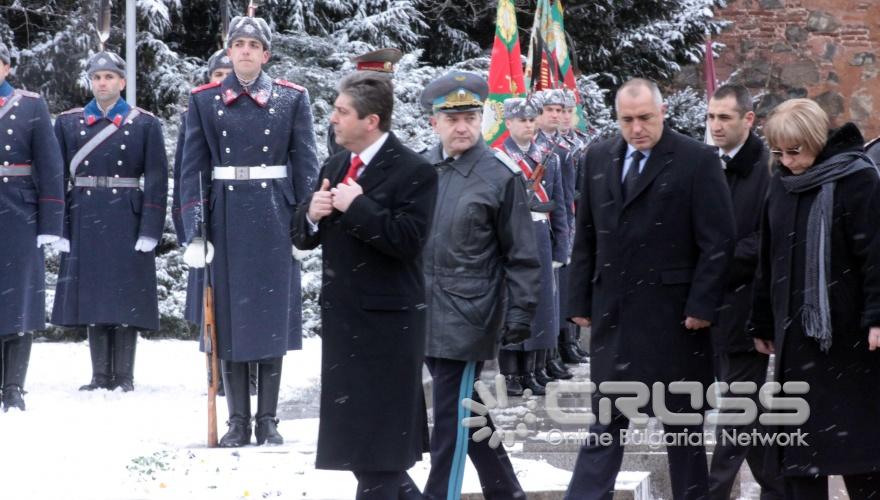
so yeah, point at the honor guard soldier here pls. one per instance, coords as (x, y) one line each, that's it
(519, 363)
(380, 61)
(219, 67)
(570, 350)
(551, 102)
(482, 276)
(31, 215)
(248, 159)
(117, 175)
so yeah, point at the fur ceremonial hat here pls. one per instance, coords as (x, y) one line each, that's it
(106, 61)
(519, 107)
(249, 27)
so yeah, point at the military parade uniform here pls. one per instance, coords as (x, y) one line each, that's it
(117, 175)
(31, 214)
(481, 279)
(253, 149)
(547, 204)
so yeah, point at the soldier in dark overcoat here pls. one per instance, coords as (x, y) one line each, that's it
(547, 206)
(250, 152)
(31, 215)
(117, 177)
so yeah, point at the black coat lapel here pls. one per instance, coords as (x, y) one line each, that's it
(375, 172)
(661, 156)
(617, 151)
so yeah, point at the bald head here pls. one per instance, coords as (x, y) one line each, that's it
(636, 86)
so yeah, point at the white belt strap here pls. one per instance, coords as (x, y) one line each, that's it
(249, 173)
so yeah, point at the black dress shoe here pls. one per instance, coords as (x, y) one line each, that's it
(580, 350)
(569, 354)
(98, 382)
(514, 385)
(266, 431)
(238, 435)
(12, 398)
(557, 370)
(529, 382)
(542, 378)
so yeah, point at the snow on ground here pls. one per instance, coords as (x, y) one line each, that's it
(150, 444)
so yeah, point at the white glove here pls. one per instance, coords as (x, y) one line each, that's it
(62, 245)
(145, 244)
(298, 254)
(46, 239)
(194, 255)
(557, 265)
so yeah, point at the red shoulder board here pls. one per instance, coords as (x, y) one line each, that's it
(285, 83)
(71, 111)
(26, 93)
(205, 87)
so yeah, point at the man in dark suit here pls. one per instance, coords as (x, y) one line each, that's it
(372, 226)
(653, 242)
(745, 160)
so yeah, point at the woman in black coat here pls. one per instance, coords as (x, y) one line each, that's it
(817, 296)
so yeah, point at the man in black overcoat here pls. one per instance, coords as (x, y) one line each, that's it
(653, 242)
(745, 160)
(371, 214)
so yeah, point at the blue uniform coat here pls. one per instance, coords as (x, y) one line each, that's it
(29, 205)
(104, 280)
(552, 236)
(256, 280)
(194, 278)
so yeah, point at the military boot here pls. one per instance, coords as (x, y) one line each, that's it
(509, 367)
(238, 401)
(99, 349)
(555, 367)
(17, 354)
(541, 375)
(527, 369)
(124, 349)
(568, 346)
(266, 430)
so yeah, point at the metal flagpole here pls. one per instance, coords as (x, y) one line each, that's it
(130, 57)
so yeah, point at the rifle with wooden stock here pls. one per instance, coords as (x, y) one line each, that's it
(209, 330)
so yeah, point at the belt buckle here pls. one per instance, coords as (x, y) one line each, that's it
(101, 181)
(242, 173)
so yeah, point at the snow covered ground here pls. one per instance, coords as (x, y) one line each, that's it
(150, 444)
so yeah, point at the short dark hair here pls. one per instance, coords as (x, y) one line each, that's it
(371, 94)
(743, 98)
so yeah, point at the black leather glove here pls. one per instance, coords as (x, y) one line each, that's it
(514, 333)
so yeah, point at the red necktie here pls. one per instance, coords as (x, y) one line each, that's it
(352, 173)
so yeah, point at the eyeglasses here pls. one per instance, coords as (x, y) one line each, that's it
(777, 153)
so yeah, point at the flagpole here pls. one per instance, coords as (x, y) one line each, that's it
(130, 52)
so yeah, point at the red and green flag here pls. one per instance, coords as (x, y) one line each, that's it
(505, 74)
(549, 62)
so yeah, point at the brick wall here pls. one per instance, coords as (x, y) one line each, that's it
(823, 49)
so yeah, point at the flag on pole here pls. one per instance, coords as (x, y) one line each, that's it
(505, 74)
(711, 81)
(549, 62)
